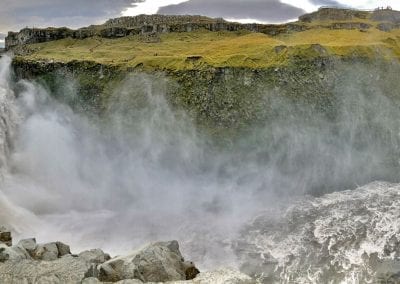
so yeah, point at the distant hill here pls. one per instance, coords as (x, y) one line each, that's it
(193, 42)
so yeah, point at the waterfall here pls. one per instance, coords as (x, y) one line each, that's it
(8, 114)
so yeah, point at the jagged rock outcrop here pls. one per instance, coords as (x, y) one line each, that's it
(33, 35)
(142, 25)
(352, 19)
(29, 262)
(96, 256)
(387, 26)
(159, 262)
(386, 15)
(29, 249)
(334, 14)
(350, 26)
(68, 269)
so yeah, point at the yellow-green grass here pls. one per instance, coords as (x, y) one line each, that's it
(200, 49)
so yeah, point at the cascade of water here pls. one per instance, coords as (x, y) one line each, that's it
(8, 113)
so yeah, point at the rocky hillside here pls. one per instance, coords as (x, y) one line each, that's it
(155, 42)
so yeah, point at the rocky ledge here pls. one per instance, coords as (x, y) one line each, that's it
(162, 262)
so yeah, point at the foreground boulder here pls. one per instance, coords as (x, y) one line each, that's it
(67, 269)
(13, 254)
(96, 256)
(29, 262)
(158, 262)
(28, 249)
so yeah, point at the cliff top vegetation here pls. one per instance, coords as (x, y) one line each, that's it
(343, 34)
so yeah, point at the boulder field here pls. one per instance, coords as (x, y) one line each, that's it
(161, 262)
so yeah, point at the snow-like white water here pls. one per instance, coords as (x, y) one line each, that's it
(344, 237)
(144, 173)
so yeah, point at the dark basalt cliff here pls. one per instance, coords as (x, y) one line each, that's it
(145, 24)
(142, 25)
(227, 98)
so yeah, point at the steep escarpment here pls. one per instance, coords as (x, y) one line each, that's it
(235, 83)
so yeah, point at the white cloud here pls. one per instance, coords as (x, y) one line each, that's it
(357, 4)
(152, 6)
(303, 4)
(149, 7)
(371, 4)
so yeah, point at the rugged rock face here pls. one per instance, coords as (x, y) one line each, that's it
(96, 256)
(67, 269)
(386, 15)
(159, 262)
(333, 14)
(158, 24)
(29, 249)
(386, 19)
(32, 35)
(141, 25)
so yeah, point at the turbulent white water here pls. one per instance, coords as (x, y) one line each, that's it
(344, 237)
(143, 173)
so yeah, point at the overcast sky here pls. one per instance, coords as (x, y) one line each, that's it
(16, 14)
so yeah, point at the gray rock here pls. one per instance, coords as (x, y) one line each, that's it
(67, 269)
(96, 256)
(29, 245)
(12, 253)
(158, 262)
(47, 252)
(63, 249)
(5, 236)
